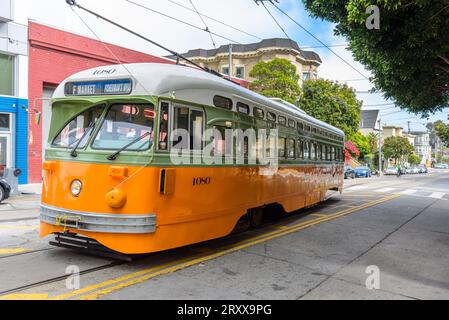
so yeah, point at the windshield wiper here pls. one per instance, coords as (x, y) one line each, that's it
(115, 154)
(73, 153)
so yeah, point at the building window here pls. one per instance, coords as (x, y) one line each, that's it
(5, 122)
(306, 76)
(240, 72)
(225, 70)
(7, 75)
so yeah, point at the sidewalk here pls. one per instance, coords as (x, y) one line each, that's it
(33, 188)
(24, 206)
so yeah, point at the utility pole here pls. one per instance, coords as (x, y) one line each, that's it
(380, 147)
(408, 124)
(230, 62)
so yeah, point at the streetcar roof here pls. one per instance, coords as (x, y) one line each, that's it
(185, 83)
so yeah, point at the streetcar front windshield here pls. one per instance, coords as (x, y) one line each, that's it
(125, 123)
(80, 127)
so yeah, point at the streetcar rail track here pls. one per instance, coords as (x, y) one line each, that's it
(282, 220)
(25, 252)
(60, 278)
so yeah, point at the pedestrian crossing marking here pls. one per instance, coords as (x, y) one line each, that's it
(408, 191)
(437, 195)
(357, 188)
(385, 189)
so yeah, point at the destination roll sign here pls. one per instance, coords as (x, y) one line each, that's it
(94, 88)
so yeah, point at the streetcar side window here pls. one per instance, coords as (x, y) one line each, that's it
(258, 113)
(222, 102)
(78, 128)
(242, 108)
(318, 151)
(300, 149)
(281, 147)
(188, 126)
(291, 148)
(271, 116)
(163, 126)
(312, 151)
(282, 120)
(306, 150)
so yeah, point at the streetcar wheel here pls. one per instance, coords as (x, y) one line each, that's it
(255, 217)
(2, 193)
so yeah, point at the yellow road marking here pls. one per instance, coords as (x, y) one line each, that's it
(19, 227)
(278, 227)
(318, 215)
(152, 273)
(146, 274)
(12, 250)
(25, 296)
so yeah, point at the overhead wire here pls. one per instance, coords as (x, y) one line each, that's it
(315, 37)
(215, 20)
(180, 21)
(278, 24)
(207, 28)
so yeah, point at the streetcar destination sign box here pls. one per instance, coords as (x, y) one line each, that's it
(94, 88)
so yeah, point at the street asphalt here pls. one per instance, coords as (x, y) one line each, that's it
(383, 238)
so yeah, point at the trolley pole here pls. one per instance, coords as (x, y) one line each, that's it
(380, 147)
(230, 62)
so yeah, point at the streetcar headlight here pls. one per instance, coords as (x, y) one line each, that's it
(75, 187)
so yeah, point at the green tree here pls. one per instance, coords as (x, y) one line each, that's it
(276, 78)
(333, 103)
(361, 143)
(414, 159)
(408, 55)
(373, 139)
(442, 131)
(397, 148)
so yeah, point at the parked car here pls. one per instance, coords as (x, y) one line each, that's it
(349, 172)
(415, 170)
(362, 172)
(408, 170)
(391, 171)
(5, 189)
(422, 169)
(441, 166)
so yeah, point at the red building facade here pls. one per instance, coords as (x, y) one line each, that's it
(53, 56)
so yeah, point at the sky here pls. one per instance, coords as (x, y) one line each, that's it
(242, 14)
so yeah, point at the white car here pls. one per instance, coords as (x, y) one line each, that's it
(391, 170)
(415, 170)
